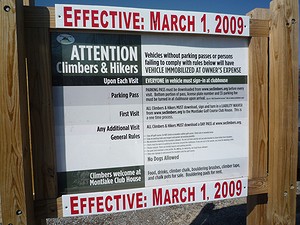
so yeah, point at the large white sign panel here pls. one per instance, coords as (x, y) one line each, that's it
(146, 116)
(149, 20)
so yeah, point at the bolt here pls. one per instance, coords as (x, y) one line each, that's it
(6, 8)
(19, 212)
(293, 21)
(285, 194)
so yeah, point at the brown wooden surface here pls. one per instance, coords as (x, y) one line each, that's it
(258, 186)
(258, 104)
(39, 17)
(259, 22)
(0, 210)
(41, 112)
(29, 2)
(259, 27)
(15, 173)
(283, 112)
(50, 208)
(258, 113)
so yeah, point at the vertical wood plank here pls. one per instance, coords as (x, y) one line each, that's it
(15, 172)
(258, 100)
(258, 117)
(29, 2)
(0, 210)
(283, 112)
(41, 112)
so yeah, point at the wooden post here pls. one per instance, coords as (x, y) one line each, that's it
(29, 2)
(15, 173)
(41, 112)
(283, 114)
(258, 112)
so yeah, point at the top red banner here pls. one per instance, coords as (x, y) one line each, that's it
(149, 20)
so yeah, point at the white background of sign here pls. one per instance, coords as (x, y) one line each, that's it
(116, 18)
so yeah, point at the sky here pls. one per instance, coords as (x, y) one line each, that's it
(240, 7)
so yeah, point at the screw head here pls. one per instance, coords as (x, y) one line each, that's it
(6, 8)
(19, 212)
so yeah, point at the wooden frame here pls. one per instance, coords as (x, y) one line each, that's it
(25, 125)
(15, 174)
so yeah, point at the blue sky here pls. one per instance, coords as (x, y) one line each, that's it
(229, 6)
